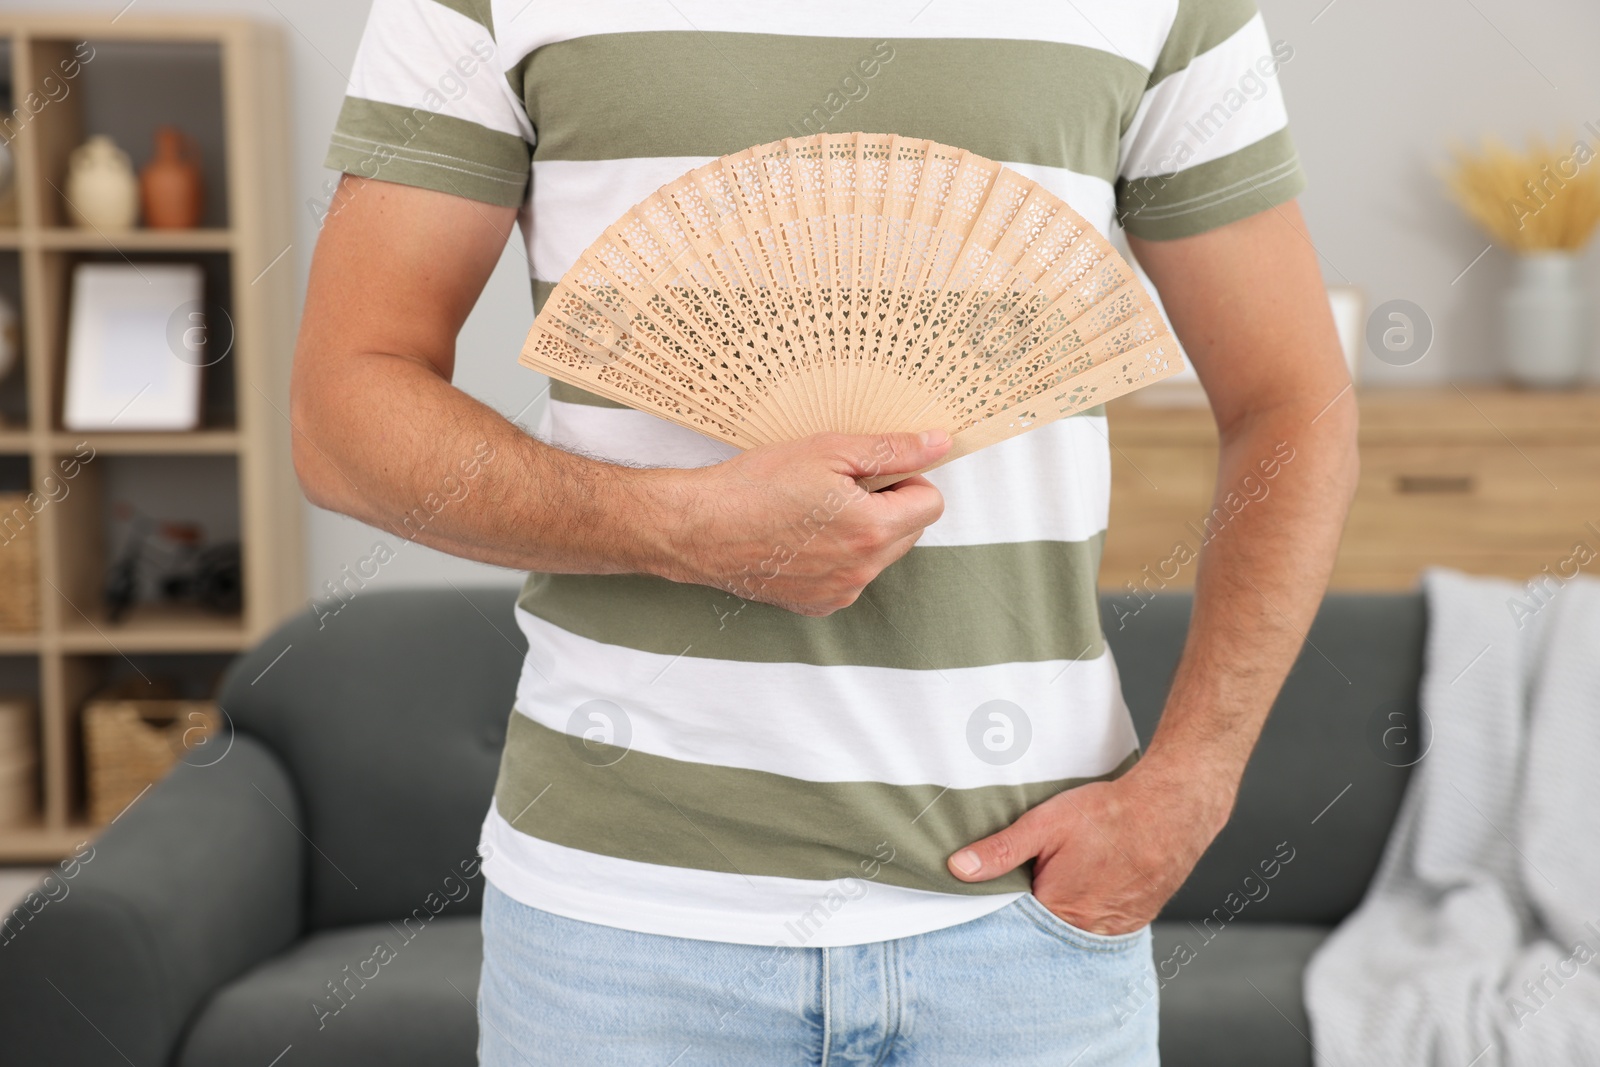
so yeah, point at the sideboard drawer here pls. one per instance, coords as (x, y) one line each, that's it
(1482, 497)
(1482, 508)
(1494, 509)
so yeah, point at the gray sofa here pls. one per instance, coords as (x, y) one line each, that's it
(231, 916)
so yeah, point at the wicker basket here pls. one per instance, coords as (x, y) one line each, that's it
(19, 762)
(19, 565)
(130, 744)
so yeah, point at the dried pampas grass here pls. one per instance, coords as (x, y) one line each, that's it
(1541, 200)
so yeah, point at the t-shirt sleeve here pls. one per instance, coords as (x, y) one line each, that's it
(429, 104)
(1209, 143)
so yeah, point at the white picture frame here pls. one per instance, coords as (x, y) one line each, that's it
(1349, 306)
(135, 347)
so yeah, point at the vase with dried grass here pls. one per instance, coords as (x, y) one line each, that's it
(1542, 204)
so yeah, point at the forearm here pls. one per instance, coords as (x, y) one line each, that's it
(1261, 576)
(421, 460)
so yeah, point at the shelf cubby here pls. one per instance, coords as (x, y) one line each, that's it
(94, 528)
(14, 383)
(8, 130)
(19, 690)
(134, 674)
(219, 394)
(180, 83)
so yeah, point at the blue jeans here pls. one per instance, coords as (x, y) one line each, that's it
(1018, 987)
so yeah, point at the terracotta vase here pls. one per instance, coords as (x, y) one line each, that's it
(101, 192)
(170, 183)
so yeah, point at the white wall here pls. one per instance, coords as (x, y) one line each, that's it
(1377, 92)
(1376, 89)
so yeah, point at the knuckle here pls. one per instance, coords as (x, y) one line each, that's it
(833, 442)
(889, 448)
(855, 579)
(882, 532)
(1001, 851)
(901, 548)
(846, 590)
(866, 536)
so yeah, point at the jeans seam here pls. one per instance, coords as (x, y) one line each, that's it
(891, 1000)
(827, 1018)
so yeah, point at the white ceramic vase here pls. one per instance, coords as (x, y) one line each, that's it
(1547, 321)
(102, 192)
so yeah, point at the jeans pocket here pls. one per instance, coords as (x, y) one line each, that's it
(1057, 927)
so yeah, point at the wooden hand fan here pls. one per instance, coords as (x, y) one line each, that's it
(859, 283)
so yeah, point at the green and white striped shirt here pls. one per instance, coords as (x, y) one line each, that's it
(710, 768)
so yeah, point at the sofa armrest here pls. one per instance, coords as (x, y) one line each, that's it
(198, 881)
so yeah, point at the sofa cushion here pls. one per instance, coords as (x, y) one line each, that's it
(1233, 1000)
(1325, 782)
(390, 716)
(408, 997)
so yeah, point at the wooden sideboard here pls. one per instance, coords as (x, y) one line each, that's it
(1486, 480)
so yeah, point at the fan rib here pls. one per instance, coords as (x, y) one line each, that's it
(858, 283)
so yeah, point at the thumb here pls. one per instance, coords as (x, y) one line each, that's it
(869, 455)
(999, 853)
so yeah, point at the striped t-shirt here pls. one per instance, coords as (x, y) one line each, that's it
(683, 762)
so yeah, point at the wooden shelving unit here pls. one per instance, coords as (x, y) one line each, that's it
(239, 94)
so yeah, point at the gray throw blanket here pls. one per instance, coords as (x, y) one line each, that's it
(1478, 943)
